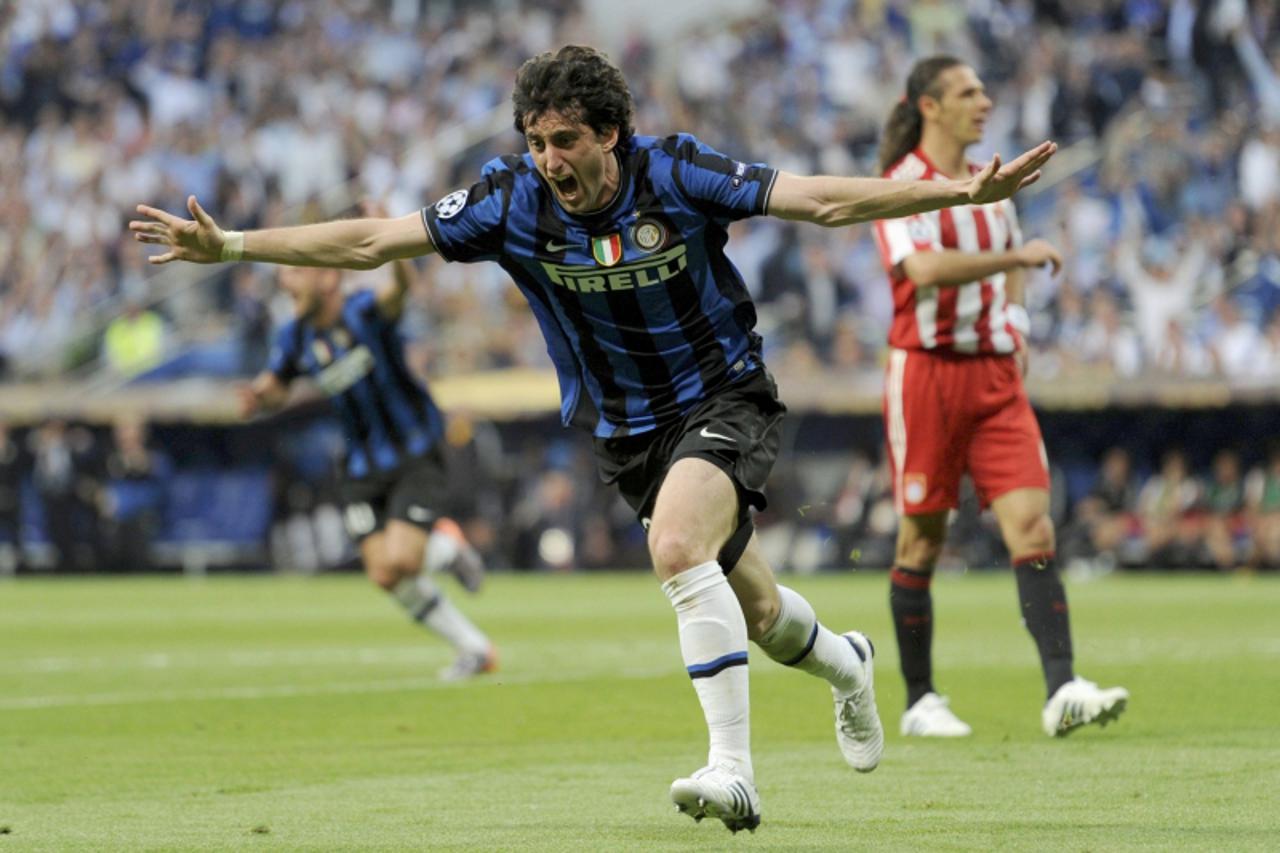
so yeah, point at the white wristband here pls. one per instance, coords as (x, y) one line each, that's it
(1019, 318)
(232, 246)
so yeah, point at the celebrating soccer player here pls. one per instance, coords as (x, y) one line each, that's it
(394, 476)
(954, 401)
(617, 242)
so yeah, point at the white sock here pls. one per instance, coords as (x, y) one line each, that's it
(440, 551)
(713, 642)
(798, 639)
(427, 605)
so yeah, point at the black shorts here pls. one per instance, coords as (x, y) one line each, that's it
(738, 430)
(413, 492)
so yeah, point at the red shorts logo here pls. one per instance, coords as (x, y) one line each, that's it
(914, 488)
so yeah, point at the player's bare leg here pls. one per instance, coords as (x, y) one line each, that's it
(693, 516)
(782, 623)
(393, 560)
(920, 541)
(1023, 515)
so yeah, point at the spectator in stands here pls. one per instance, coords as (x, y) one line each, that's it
(1167, 505)
(133, 497)
(1181, 353)
(546, 522)
(12, 472)
(1225, 532)
(863, 514)
(1162, 281)
(1105, 519)
(65, 475)
(135, 341)
(1262, 502)
(1105, 341)
(1236, 345)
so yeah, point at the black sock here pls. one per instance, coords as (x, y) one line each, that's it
(912, 607)
(1044, 611)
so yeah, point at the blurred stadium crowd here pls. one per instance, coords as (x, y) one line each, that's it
(1169, 216)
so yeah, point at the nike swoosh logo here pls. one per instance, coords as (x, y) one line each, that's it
(706, 433)
(560, 247)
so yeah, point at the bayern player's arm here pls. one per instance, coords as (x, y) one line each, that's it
(951, 268)
(359, 244)
(835, 201)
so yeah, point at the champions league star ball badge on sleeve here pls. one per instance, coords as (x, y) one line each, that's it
(452, 204)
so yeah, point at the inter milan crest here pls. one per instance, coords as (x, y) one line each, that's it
(607, 250)
(452, 204)
(321, 352)
(648, 235)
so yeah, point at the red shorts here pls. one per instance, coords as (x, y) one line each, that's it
(946, 415)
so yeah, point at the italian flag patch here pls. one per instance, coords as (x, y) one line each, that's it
(607, 250)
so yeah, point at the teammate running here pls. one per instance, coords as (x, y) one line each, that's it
(394, 475)
(617, 242)
(954, 401)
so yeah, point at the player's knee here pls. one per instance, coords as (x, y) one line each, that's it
(1036, 533)
(761, 612)
(918, 553)
(389, 571)
(674, 549)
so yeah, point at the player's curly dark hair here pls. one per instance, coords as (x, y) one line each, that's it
(578, 82)
(902, 129)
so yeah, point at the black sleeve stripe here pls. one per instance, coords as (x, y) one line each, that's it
(713, 163)
(433, 232)
(767, 193)
(515, 163)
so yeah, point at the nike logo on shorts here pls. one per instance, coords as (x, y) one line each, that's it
(706, 433)
(553, 246)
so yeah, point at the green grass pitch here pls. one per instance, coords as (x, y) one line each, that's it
(287, 713)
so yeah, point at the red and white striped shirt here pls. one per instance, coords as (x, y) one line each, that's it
(970, 318)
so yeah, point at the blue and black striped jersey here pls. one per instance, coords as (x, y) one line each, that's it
(387, 415)
(643, 314)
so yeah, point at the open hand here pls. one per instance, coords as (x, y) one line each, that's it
(996, 182)
(198, 240)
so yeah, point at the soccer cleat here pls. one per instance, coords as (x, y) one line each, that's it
(858, 729)
(470, 664)
(467, 565)
(718, 792)
(1079, 703)
(930, 717)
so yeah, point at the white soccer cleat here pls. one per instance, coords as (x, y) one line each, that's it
(717, 791)
(1079, 703)
(858, 728)
(470, 665)
(930, 717)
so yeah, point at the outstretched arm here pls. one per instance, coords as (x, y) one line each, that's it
(835, 201)
(345, 244)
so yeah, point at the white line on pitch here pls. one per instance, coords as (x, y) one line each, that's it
(393, 685)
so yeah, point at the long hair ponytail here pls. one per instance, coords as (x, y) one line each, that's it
(905, 123)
